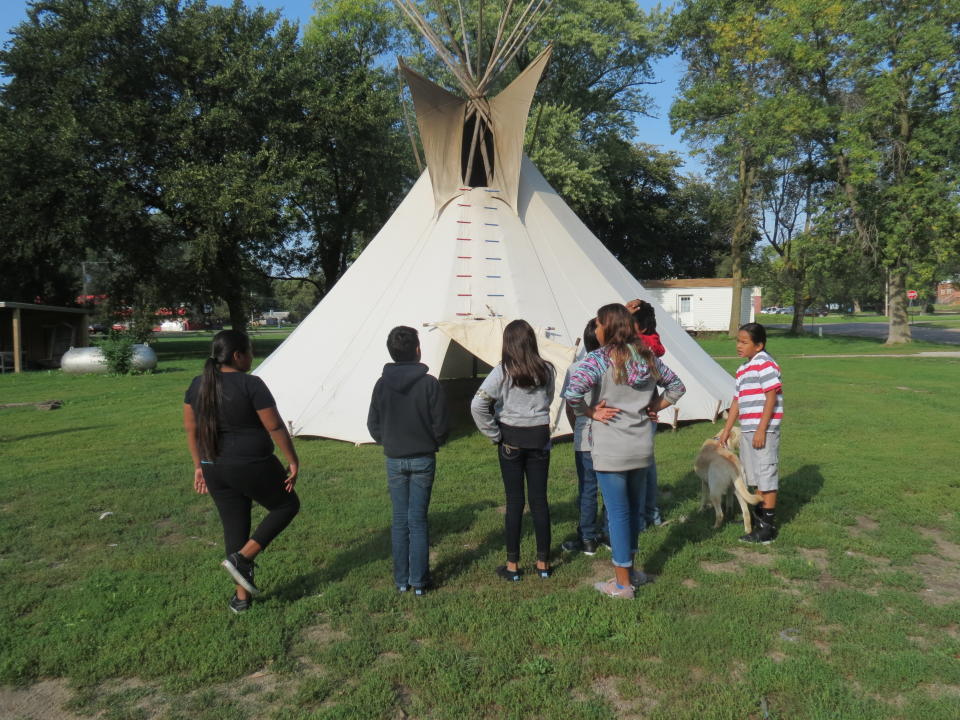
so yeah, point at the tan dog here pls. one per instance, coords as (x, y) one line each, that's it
(721, 474)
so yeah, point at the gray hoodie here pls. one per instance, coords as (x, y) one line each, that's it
(514, 406)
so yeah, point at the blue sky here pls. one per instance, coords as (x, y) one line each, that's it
(653, 130)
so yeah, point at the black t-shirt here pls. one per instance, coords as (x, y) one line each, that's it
(242, 436)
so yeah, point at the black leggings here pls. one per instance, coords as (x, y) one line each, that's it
(235, 487)
(535, 464)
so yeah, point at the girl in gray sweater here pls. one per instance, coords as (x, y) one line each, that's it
(627, 375)
(512, 408)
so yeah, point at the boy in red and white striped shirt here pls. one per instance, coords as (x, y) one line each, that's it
(759, 407)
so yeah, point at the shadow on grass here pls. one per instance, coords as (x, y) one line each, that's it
(52, 433)
(796, 490)
(376, 546)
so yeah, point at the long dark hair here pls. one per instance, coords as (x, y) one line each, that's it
(225, 344)
(620, 337)
(521, 357)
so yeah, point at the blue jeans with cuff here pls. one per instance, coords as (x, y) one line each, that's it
(410, 480)
(625, 498)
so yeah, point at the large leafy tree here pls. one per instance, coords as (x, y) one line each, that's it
(156, 135)
(233, 80)
(76, 117)
(354, 159)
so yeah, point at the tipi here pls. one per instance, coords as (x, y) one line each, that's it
(481, 239)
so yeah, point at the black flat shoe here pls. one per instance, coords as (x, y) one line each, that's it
(509, 575)
(543, 573)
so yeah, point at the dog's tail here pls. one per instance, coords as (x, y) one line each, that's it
(740, 482)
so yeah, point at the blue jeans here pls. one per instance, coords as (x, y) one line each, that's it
(625, 497)
(410, 481)
(652, 511)
(586, 496)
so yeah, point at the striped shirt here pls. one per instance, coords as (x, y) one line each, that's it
(755, 378)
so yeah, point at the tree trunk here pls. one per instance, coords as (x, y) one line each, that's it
(799, 306)
(238, 314)
(856, 305)
(899, 319)
(741, 233)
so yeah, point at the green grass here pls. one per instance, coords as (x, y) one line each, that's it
(833, 621)
(780, 344)
(942, 319)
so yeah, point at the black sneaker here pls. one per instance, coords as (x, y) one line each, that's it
(508, 575)
(590, 547)
(419, 591)
(240, 606)
(402, 588)
(763, 533)
(241, 570)
(571, 546)
(542, 573)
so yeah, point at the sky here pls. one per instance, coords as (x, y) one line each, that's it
(653, 130)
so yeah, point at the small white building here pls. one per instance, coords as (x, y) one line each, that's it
(703, 304)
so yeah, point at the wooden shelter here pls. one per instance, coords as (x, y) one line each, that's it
(39, 334)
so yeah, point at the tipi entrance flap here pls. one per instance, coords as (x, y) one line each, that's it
(484, 338)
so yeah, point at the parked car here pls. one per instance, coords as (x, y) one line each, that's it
(772, 310)
(785, 310)
(816, 311)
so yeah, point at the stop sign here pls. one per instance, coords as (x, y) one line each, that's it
(912, 294)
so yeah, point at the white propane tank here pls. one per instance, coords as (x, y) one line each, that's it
(91, 360)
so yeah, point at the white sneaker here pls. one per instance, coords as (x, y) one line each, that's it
(611, 589)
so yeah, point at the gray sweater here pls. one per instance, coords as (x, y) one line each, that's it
(625, 442)
(511, 405)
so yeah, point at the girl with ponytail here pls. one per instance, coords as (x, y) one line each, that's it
(232, 424)
(626, 375)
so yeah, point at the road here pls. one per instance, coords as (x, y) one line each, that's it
(946, 336)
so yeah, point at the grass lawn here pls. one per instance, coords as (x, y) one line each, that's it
(853, 613)
(945, 319)
(783, 345)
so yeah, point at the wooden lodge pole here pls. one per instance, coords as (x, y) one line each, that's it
(16, 341)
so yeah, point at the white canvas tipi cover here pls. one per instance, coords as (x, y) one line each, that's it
(541, 264)
(457, 262)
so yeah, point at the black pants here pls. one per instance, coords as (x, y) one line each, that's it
(515, 463)
(234, 488)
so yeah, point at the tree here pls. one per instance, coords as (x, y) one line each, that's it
(723, 103)
(73, 118)
(229, 165)
(354, 161)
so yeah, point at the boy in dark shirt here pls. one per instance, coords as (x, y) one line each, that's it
(408, 416)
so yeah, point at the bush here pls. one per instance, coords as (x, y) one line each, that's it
(117, 350)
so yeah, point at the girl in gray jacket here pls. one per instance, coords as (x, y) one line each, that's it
(512, 408)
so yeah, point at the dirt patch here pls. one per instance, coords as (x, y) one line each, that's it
(633, 708)
(816, 557)
(776, 656)
(500, 509)
(873, 559)
(863, 524)
(743, 557)
(323, 634)
(945, 548)
(690, 583)
(43, 701)
(940, 577)
(939, 690)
